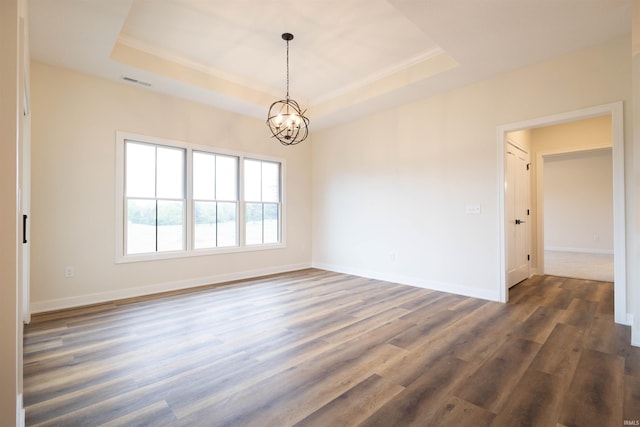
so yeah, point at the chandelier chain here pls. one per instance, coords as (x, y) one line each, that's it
(287, 69)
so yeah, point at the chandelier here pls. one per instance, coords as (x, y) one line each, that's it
(286, 119)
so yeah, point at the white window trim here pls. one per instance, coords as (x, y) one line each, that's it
(121, 257)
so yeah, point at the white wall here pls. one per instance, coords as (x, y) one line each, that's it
(390, 190)
(74, 122)
(578, 202)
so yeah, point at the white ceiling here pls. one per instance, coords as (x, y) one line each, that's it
(348, 57)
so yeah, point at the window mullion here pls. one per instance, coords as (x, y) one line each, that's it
(217, 229)
(156, 224)
(263, 223)
(155, 189)
(242, 223)
(189, 203)
(215, 197)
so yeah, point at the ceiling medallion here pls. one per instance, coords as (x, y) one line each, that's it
(286, 119)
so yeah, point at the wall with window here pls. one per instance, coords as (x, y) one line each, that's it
(390, 190)
(176, 200)
(244, 229)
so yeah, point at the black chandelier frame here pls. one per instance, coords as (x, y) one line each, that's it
(286, 120)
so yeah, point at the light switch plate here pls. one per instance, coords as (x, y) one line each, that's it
(472, 209)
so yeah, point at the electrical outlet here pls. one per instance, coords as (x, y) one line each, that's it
(69, 271)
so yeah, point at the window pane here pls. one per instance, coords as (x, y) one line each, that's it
(141, 226)
(140, 170)
(204, 176)
(226, 178)
(170, 225)
(253, 229)
(252, 180)
(227, 224)
(270, 182)
(271, 224)
(205, 225)
(156, 179)
(170, 176)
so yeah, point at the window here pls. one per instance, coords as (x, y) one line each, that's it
(262, 196)
(155, 201)
(174, 199)
(215, 199)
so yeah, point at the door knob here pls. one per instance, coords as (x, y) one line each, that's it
(519, 221)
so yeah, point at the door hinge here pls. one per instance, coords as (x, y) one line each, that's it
(528, 166)
(528, 257)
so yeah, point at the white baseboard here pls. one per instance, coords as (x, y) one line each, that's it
(491, 295)
(81, 300)
(578, 250)
(635, 330)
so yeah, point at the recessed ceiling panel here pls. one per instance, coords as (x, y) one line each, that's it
(337, 43)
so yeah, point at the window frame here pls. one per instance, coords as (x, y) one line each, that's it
(216, 200)
(157, 198)
(120, 201)
(262, 201)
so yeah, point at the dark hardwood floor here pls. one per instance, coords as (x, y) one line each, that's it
(315, 348)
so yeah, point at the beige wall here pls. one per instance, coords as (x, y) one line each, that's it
(390, 190)
(10, 325)
(74, 122)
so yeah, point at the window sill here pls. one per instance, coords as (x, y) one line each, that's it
(125, 259)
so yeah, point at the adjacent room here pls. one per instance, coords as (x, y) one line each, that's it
(320, 213)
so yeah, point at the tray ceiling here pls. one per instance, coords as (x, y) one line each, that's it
(348, 58)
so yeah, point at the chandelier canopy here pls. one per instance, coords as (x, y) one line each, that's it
(286, 119)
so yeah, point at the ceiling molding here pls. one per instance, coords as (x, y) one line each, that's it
(126, 40)
(380, 75)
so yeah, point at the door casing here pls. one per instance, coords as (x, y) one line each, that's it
(619, 227)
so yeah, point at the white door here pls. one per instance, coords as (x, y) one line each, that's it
(517, 214)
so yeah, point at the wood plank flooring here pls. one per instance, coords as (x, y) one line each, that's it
(315, 348)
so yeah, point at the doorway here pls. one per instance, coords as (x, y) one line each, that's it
(615, 110)
(576, 204)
